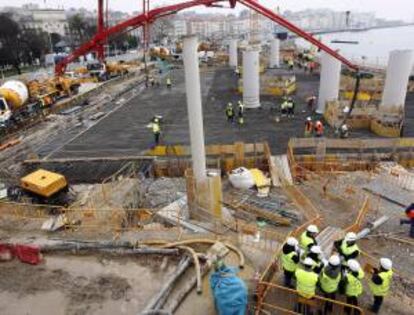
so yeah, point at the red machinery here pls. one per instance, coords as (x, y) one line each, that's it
(149, 16)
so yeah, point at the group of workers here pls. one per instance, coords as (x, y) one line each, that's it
(287, 108)
(231, 113)
(313, 128)
(152, 81)
(341, 273)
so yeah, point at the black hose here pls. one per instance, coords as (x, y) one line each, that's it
(354, 98)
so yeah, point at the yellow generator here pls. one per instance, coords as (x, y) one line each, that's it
(45, 187)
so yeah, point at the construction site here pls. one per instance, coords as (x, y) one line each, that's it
(129, 188)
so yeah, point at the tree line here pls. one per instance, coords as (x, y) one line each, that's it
(20, 45)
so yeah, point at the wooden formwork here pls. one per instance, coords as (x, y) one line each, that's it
(174, 160)
(385, 122)
(330, 155)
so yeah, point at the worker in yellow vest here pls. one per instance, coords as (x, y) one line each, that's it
(380, 283)
(306, 281)
(353, 284)
(347, 247)
(169, 82)
(156, 129)
(308, 238)
(290, 259)
(329, 280)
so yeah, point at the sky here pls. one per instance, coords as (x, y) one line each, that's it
(391, 9)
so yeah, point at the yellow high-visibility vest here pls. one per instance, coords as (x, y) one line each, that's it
(328, 284)
(306, 283)
(287, 263)
(354, 284)
(384, 288)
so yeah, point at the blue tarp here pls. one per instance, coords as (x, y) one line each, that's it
(229, 291)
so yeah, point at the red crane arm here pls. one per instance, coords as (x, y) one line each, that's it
(136, 21)
(293, 28)
(153, 14)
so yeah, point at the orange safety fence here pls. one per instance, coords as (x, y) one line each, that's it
(283, 300)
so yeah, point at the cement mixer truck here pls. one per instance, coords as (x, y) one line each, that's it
(14, 96)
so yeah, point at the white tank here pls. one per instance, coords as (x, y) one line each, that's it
(15, 92)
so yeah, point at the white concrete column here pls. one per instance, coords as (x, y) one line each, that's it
(329, 81)
(233, 62)
(251, 79)
(274, 53)
(195, 110)
(400, 65)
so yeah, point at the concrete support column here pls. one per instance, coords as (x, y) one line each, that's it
(195, 110)
(233, 62)
(251, 79)
(329, 81)
(400, 65)
(274, 53)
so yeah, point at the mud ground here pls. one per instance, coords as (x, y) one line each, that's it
(70, 285)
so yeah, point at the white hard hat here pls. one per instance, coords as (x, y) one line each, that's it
(351, 237)
(292, 241)
(229, 104)
(386, 263)
(312, 229)
(354, 265)
(309, 119)
(308, 262)
(334, 260)
(316, 249)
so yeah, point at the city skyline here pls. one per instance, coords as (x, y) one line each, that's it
(397, 9)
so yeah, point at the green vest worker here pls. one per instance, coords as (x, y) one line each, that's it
(380, 283)
(290, 260)
(306, 279)
(347, 247)
(329, 280)
(156, 130)
(353, 284)
(307, 239)
(230, 112)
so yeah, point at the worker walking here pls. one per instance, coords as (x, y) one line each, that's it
(347, 247)
(240, 106)
(353, 284)
(310, 101)
(329, 281)
(380, 283)
(308, 127)
(169, 82)
(230, 112)
(156, 130)
(284, 107)
(409, 212)
(308, 239)
(237, 71)
(152, 80)
(290, 64)
(290, 260)
(306, 281)
(291, 108)
(319, 128)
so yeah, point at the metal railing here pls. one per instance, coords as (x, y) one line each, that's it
(282, 300)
